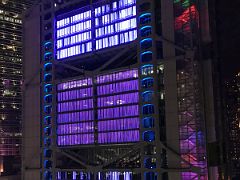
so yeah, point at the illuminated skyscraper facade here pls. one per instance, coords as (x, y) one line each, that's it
(122, 91)
(10, 83)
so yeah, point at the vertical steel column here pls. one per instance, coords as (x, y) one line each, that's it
(148, 91)
(95, 110)
(48, 92)
(170, 87)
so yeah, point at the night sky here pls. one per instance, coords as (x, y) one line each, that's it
(228, 29)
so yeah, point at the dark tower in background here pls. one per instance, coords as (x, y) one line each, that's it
(10, 84)
(225, 20)
(233, 122)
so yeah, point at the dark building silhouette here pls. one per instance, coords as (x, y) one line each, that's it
(233, 125)
(225, 19)
(11, 60)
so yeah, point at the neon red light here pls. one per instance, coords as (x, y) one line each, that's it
(183, 21)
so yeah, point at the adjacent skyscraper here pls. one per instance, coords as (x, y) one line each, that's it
(233, 124)
(11, 57)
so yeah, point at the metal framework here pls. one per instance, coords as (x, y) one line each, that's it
(191, 120)
(146, 158)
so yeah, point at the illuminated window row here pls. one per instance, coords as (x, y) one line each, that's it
(124, 3)
(75, 128)
(75, 94)
(75, 139)
(118, 112)
(73, 175)
(147, 69)
(106, 19)
(116, 39)
(115, 16)
(120, 136)
(118, 27)
(81, 17)
(104, 30)
(119, 124)
(118, 87)
(111, 175)
(75, 50)
(109, 137)
(116, 100)
(107, 42)
(106, 8)
(75, 84)
(125, 25)
(111, 41)
(131, 11)
(83, 26)
(117, 76)
(74, 19)
(10, 19)
(75, 117)
(63, 22)
(75, 105)
(63, 32)
(74, 39)
(128, 36)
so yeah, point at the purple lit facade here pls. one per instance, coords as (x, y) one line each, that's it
(85, 30)
(118, 115)
(68, 140)
(75, 113)
(116, 108)
(120, 136)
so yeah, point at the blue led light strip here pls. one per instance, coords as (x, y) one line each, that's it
(110, 25)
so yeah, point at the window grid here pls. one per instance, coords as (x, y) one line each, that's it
(117, 109)
(116, 102)
(110, 25)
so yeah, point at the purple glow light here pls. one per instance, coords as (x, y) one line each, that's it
(117, 100)
(192, 151)
(118, 87)
(119, 124)
(75, 117)
(76, 139)
(75, 106)
(74, 84)
(118, 137)
(118, 112)
(127, 105)
(75, 128)
(117, 76)
(75, 94)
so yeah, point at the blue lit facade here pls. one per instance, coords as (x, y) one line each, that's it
(48, 109)
(148, 79)
(48, 99)
(85, 30)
